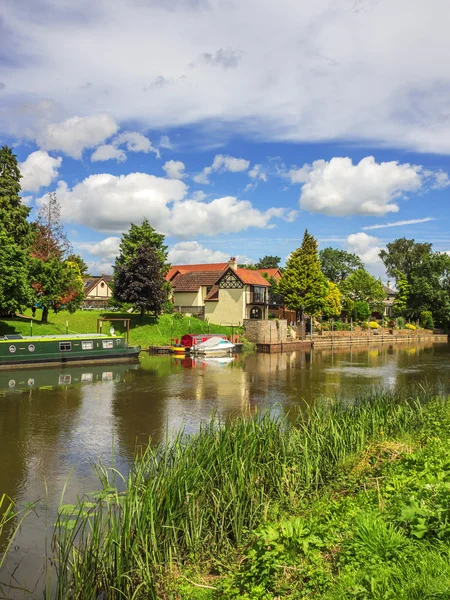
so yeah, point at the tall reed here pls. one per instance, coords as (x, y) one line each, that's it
(197, 496)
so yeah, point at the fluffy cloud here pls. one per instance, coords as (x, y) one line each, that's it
(186, 253)
(256, 172)
(38, 170)
(222, 163)
(108, 152)
(135, 142)
(368, 248)
(107, 248)
(174, 169)
(340, 188)
(74, 135)
(109, 203)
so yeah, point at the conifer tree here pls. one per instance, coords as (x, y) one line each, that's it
(138, 235)
(13, 213)
(303, 284)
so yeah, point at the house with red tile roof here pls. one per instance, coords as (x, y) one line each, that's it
(222, 293)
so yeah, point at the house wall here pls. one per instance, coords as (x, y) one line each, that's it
(100, 292)
(229, 309)
(188, 298)
(266, 332)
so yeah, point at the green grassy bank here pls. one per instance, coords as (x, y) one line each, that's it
(345, 501)
(144, 331)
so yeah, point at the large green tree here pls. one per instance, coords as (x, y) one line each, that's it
(364, 287)
(333, 306)
(403, 257)
(13, 213)
(303, 284)
(15, 290)
(337, 265)
(138, 235)
(140, 281)
(268, 262)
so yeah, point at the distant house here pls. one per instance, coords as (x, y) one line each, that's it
(389, 300)
(221, 293)
(98, 291)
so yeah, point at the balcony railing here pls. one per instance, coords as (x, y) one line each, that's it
(257, 297)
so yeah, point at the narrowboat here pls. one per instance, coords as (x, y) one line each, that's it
(18, 350)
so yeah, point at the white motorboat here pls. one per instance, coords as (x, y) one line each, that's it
(214, 346)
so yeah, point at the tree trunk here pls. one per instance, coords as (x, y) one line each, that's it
(142, 311)
(45, 315)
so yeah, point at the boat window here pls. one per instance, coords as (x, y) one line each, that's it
(108, 343)
(87, 345)
(65, 379)
(65, 346)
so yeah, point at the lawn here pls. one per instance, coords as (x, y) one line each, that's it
(144, 331)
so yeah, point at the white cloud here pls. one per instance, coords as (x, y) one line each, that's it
(164, 142)
(256, 172)
(135, 142)
(222, 163)
(174, 169)
(330, 75)
(74, 135)
(108, 152)
(199, 195)
(97, 267)
(399, 223)
(109, 203)
(191, 253)
(340, 188)
(368, 248)
(107, 248)
(38, 170)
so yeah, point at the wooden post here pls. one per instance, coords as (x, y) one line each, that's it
(67, 326)
(31, 327)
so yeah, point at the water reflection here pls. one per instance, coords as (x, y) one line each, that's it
(55, 422)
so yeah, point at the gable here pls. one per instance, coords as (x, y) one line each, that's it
(230, 281)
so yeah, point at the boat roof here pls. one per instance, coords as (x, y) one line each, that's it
(62, 336)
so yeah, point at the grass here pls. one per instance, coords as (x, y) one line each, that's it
(344, 501)
(144, 331)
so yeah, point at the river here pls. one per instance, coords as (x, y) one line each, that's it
(54, 423)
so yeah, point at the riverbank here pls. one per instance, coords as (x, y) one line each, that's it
(144, 331)
(343, 501)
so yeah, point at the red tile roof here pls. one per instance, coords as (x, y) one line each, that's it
(189, 268)
(213, 295)
(191, 282)
(251, 277)
(275, 273)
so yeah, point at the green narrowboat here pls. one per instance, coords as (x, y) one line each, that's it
(18, 350)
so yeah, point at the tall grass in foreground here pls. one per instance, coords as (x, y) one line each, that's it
(198, 496)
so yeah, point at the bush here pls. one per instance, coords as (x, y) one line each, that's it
(426, 319)
(373, 325)
(410, 326)
(340, 326)
(401, 323)
(361, 311)
(168, 307)
(178, 316)
(364, 325)
(391, 323)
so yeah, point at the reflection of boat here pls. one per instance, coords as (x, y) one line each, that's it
(16, 350)
(217, 360)
(48, 378)
(214, 346)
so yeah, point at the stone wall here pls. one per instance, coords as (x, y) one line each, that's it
(269, 331)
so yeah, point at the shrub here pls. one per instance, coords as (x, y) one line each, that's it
(364, 325)
(391, 323)
(168, 307)
(178, 316)
(340, 326)
(361, 311)
(410, 326)
(401, 323)
(426, 319)
(373, 325)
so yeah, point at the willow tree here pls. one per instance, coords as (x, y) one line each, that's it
(303, 284)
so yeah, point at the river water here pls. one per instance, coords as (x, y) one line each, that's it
(54, 423)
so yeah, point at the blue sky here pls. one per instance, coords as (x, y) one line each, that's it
(232, 126)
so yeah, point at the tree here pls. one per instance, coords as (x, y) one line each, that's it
(362, 286)
(332, 301)
(303, 284)
(13, 213)
(268, 262)
(82, 266)
(361, 310)
(15, 290)
(402, 257)
(138, 235)
(140, 281)
(56, 281)
(337, 265)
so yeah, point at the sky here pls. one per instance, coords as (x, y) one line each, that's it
(232, 125)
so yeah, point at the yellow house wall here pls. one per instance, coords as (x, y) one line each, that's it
(187, 299)
(100, 292)
(229, 309)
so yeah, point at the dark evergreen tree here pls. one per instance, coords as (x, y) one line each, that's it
(13, 213)
(138, 235)
(15, 290)
(268, 262)
(140, 281)
(303, 284)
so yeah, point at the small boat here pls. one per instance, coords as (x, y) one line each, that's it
(18, 350)
(214, 346)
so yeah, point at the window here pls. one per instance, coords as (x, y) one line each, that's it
(65, 379)
(65, 346)
(87, 345)
(102, 285)
(108, 343)
(255, 313)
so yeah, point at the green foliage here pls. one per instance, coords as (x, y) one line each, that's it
(363, 287)
(340, 326)
(268, 262)
(361, 310)
(337, 265)
(402, 297)
(138, 235)
(303, 284)
(426, 319)
(404, 257)
(15, 290)
(332, 301)
(82, 266)
(13, 213)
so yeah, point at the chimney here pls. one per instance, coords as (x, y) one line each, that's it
(233, 263)
(389, 285)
